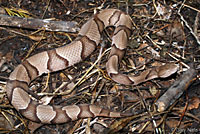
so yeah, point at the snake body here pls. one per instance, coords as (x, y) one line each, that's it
(68, 55)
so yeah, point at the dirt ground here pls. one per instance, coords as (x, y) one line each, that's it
(163, 32)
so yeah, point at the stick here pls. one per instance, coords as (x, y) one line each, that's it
(176, 90)
(31, 23)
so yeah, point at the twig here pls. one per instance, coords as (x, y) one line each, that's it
(187, 25)
(30, 23)
(196, 23)
(176, 90)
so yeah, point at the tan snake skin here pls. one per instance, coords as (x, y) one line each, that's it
(68, 55)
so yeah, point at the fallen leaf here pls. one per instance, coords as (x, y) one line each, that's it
(176, 31)
(156, 63)
(194, 103)
(172, 123)
(36, 38)
(114, 89)
(141, 60)
(32, 126)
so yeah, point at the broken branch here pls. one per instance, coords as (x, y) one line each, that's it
(31, 23)
(176, 90)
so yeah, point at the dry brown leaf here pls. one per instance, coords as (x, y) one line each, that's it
(176, 31)
(155, 64)
(8, 56)
(172, 123)
(130, 96)
(114, 89)
(194, 103)
(145, 94)
(131, 63)
(167, 70)
(36, 38)
(141, 60)
(32, 126)
(142, 46)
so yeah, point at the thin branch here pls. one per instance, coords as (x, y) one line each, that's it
(30, 23)
(176, 90)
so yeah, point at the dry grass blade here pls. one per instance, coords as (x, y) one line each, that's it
(18, 12)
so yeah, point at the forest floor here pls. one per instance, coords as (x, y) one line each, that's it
(164, 32)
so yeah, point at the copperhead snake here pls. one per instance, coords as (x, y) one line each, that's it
(68, 55)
